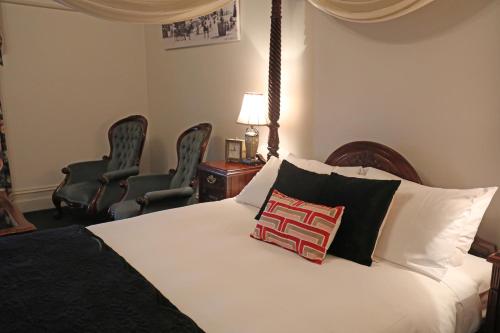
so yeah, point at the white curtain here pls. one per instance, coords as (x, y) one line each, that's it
(168, 11)
(145, 11)
(368, 11)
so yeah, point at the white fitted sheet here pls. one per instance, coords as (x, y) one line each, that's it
(203, 260)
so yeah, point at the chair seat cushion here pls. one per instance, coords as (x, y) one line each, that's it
(124, 209)
(79, 193)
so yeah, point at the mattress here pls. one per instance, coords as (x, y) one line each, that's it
(470, 284)
(203, 260)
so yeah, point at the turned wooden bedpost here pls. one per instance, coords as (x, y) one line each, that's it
(274, 80)
(492, 324)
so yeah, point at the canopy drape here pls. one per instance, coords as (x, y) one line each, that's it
(169, 11)
(368, 11)
(145, 11)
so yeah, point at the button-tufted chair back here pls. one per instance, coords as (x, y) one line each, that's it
(126, 138)
(191, 148)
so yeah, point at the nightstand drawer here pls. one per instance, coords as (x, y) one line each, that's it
(212, 186)
(212, 181)
(221, 180)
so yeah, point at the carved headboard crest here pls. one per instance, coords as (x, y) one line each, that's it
(376, 155)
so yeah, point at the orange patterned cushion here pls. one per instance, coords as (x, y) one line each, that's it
(305, 228)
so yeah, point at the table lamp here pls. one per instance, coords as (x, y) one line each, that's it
(253, 113)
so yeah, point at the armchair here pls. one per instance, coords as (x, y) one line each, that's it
(150, 193)
(95, 185)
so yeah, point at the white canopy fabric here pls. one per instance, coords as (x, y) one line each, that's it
(145, 11)
(169, 11)
(368, 11)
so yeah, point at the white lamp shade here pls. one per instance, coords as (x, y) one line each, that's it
(253, 110)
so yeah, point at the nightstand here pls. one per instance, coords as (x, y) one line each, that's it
(220, 180)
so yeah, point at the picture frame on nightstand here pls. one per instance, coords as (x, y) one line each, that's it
(234, 150)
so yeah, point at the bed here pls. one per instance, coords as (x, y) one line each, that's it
(210, 268)
(214, 277)
(206, 273)
(227, 282)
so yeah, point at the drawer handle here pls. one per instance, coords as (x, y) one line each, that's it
(211, 179)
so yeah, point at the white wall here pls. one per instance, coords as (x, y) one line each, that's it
(426, 84)
(67, 78)
(188, 86)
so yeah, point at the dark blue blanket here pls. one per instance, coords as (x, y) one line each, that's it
(68, 280)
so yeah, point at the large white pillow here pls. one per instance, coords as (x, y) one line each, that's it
(257, 189)
(469, 229)
(373, 173)
(357, 171)
(424, 225)
(323, 168)
(310, 165)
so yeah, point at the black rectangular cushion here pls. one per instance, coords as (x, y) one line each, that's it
(366, 203)
(296, 183)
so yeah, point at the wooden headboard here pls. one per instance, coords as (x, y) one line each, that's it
(372, 154)
(376, 155)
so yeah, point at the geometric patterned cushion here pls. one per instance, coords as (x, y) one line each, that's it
(305, 228)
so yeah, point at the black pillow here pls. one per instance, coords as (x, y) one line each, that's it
(296, 183)
(366, 203)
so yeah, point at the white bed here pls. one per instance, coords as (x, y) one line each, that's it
(203, 260)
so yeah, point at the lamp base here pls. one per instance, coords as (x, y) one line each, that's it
(251, 142)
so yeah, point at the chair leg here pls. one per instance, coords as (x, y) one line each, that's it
(57, 203)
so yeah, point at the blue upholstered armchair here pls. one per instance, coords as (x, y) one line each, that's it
(150, 193)
(95, 185)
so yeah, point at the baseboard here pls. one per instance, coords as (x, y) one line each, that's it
(32, 199)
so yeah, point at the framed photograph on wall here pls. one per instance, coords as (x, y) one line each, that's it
(220, 26)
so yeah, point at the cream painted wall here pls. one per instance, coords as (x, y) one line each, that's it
(188, 86)
(67, 78)
(426, 84)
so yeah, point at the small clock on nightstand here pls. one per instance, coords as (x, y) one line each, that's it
(234, 150)
(220, 180)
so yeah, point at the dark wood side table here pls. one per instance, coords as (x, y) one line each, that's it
(12, 221)
(220, 180)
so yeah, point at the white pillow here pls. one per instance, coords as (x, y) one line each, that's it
(357, 171)
(424, 225)
(479, 270)
(373, 173)
(323, 168)
(257, 189)
(310, 165)
(470, 227)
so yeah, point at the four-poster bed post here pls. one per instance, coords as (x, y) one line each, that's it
(274, 80)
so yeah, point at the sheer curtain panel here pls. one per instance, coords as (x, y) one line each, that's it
(145, 11)
(368, 11)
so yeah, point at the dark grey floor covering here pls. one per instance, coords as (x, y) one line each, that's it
(44, 219)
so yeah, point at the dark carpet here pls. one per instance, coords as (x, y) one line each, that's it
(44, 219)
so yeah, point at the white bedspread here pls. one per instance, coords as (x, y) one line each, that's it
(203, 260)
